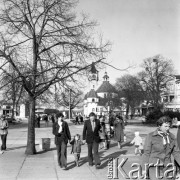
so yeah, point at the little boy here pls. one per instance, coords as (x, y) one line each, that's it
(76, 148)
(137, 141)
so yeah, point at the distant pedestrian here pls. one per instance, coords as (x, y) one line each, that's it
(77, 120)
(46, 120)
(38, 119)
(137, 141)
(81, 119)
(62, 135)
(76, 148)
(119, 130)
(52, 118)
(3, 132)
(91, 136)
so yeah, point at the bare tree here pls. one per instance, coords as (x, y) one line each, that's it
(130, 88)
(70, 98)
(45, 43)
(12, 92)
(157, 72)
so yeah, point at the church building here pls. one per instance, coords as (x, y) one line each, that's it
(102, 100)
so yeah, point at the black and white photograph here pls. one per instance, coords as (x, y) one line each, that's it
(89, 89)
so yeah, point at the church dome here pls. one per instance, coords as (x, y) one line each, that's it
(106, 87)
(91, 94)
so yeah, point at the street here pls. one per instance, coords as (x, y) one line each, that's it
(15, 165)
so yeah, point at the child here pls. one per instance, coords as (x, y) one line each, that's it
(137, 141)
(76, 148)
(103, 134)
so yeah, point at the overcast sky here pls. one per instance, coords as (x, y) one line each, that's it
(138, 29)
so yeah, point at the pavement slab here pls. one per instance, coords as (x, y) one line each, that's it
(15, 165)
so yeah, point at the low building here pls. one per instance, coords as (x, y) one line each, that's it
(171, 96)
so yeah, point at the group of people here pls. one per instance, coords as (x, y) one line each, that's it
(159, 145)
(46, 118)
(94, 133)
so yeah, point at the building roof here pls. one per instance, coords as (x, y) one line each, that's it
(106, 87)
(91, 94)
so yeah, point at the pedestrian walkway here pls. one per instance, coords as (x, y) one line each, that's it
(15, 165)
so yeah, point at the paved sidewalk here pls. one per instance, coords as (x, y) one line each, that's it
(15, 165)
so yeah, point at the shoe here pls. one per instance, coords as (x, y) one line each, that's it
(64, 168)
(1, 152)
(97, 166)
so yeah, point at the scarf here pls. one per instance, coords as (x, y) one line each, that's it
(165, 137)
(60, 126)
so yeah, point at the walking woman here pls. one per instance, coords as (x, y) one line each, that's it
(62, 135)
(119, 130)
(158, 148)
(3, 132)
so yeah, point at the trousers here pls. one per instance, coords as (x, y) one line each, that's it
(62, 154)
(3, 139)
(93, 147)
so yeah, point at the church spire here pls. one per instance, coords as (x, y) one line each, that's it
(106, 77)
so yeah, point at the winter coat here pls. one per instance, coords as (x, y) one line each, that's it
(154, 150)
(102, 132)
(76, 146)
(3, 127)
(119, 130)
(64, 135)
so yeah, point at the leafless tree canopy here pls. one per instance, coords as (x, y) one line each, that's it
(157, 72)
(45, 43)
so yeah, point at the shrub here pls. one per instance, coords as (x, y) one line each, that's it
(153, 116)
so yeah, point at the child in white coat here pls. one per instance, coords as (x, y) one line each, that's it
(137, 141)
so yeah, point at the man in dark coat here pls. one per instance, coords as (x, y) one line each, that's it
(62, 135)
(91, 135)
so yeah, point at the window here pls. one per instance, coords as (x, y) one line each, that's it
(93, 109)
(93, 100)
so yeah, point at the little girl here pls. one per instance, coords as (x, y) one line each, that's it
(137, 141)
(76, 148)
(103, 133)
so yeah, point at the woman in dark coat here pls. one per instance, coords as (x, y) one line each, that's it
(119, 130)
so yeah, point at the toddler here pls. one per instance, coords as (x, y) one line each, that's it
(137, 141)
(76, 148)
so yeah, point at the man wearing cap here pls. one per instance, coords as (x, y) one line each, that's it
(91, 136)
(62, 135)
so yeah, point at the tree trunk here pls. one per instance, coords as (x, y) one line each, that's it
(30, 149)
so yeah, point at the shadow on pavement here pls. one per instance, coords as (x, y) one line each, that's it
(113, 155)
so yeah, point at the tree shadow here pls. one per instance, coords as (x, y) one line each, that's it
(14, 148)
(113, 155)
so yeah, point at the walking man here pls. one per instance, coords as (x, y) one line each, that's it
(62, 135)
(91, 136)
